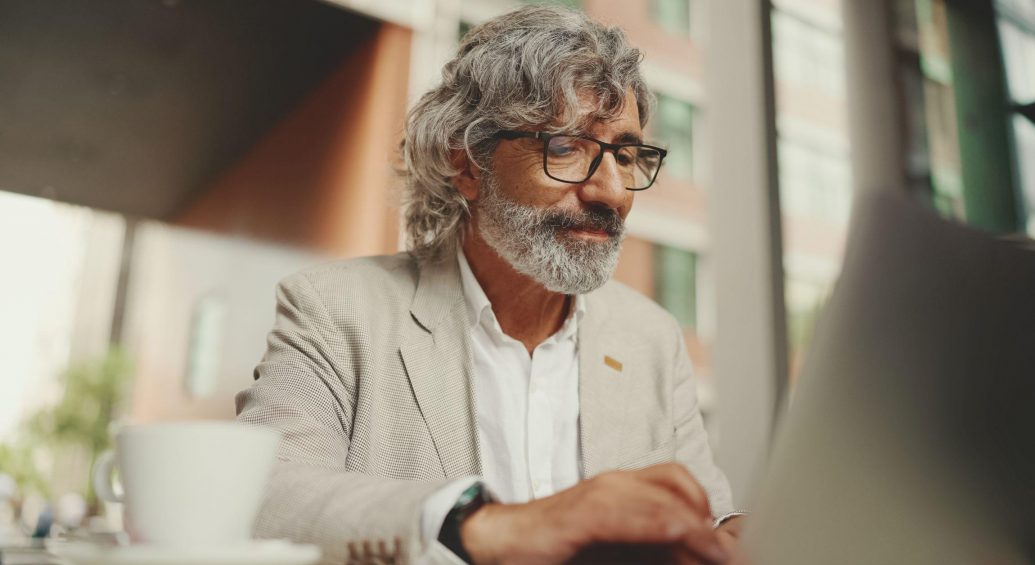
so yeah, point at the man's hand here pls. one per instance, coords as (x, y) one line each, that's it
(729, 531)
(658, 506)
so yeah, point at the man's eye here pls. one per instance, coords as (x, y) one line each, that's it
(561, 148)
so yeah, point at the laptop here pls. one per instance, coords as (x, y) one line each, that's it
(910, 436)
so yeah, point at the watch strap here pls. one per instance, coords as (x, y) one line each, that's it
(470, 501)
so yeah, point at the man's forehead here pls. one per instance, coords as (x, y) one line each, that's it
(623, 127)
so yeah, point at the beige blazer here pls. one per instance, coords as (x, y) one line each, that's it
(367, 375)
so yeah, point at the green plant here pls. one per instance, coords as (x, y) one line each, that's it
(92, 395)
(17, 461)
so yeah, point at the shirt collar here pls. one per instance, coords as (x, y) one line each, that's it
(479, 309)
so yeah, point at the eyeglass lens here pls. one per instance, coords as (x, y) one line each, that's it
(569, 158)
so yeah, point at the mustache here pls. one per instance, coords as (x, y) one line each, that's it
(595, 218)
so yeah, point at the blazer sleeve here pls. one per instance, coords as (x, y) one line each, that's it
(692, 449)
(302, 391)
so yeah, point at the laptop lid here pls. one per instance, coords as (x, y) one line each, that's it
(910, 437)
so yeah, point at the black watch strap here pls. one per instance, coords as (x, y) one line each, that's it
(469, 502)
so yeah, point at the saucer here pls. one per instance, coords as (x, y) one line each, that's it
(258, 552)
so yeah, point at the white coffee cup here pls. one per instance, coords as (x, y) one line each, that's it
(190, 483)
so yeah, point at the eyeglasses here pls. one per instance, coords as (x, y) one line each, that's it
(574, 158)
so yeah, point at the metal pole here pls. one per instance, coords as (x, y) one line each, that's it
(875, 126)
(751, 337)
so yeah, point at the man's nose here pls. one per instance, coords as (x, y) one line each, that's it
(606, 186)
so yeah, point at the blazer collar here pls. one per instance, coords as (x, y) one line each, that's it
(437, 355)
(438, 292)
(438, 360)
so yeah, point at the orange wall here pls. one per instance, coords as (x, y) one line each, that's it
(322, 178)
(636, 269)
(636, 265)
(678, 53)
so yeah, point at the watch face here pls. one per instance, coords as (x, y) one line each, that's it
(472, 499)
(472, 492)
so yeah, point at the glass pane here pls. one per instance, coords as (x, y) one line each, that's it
(674, 124)
(812, 157)
(675, 283)
(1024, 135)
(1019, 59)
(814, 182)
(943, 136)
(645, 163)
(807, 56)
(1023, 10)
(804, 300)
(918, 160)
(672, 15)
(569, 158)
(568, 3)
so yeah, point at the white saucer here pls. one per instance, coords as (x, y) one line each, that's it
(258, 552)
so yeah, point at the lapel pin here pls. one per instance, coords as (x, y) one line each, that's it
(613, 363)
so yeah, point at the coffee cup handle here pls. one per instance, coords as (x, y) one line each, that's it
(102, 477)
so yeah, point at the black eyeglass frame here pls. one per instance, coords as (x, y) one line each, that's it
(613, 148)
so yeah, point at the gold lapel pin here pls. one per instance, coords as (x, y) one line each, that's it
(613, 363)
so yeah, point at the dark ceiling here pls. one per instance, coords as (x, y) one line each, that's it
(136, 105)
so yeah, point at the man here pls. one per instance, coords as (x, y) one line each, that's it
(489, 397)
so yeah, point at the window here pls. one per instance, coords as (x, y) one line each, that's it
(1017, 37)
(1022, 10)
(1024, 134)
(675, 283)
(462, 29)
(674, 125)
(814, 183)
(804, 299)
(918, 160)
(568, 3)
(672, 15)
(1018, 54)
(806, 55)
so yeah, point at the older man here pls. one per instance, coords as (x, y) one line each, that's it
(489, 396)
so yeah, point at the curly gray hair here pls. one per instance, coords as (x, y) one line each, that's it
(523, 69)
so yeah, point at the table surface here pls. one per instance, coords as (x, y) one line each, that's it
(21, 555)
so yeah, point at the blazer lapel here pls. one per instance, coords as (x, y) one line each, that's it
(437, 357)
(603, 384)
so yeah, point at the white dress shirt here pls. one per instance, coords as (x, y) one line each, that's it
(527, 410)
(527, 406)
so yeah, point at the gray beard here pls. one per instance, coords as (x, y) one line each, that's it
(534, 242)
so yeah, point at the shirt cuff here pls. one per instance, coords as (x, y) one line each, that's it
(725, 517)
(438, 504)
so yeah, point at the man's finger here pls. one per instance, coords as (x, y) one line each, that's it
(679, 481)
(647, 513)
(706, 546)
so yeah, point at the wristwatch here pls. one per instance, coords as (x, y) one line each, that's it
(469, 502)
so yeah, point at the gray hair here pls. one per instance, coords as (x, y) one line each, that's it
(523, 69)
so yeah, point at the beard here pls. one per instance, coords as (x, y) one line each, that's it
(539, 243)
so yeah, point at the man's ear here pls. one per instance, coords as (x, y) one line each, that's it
(466, 179)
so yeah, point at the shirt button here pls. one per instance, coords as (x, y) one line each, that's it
(535, 485)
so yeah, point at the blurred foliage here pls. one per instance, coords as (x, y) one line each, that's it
(17, 461)
(802, 325)
(92, 393)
